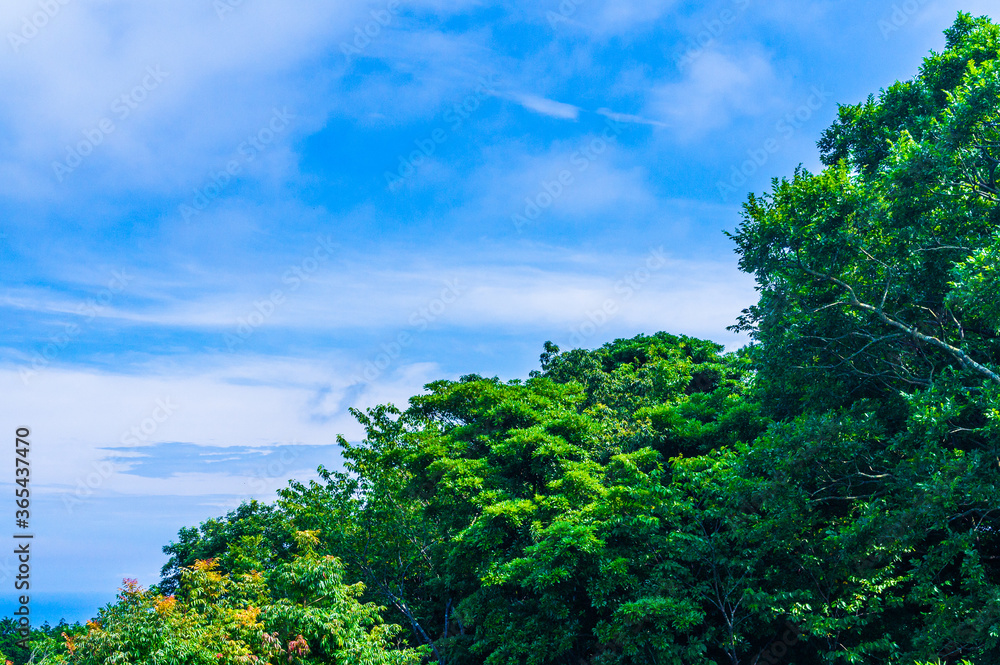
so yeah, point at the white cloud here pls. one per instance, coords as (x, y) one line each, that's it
(623, 15)
(363, 295)
(717, 89)
(626, 117)
(547, 107)
(608, 17)
(77, 414)
(223, 78)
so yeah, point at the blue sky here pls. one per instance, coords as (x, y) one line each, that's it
(226, 222)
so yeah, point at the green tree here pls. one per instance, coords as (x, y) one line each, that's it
(523, 521)
(876, 344)
(254, 536)
(875, 274)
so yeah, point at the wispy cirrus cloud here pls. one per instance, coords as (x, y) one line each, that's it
(547, 107)
(555, 109)
(628, 117)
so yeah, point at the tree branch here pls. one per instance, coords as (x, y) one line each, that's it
(953, 351)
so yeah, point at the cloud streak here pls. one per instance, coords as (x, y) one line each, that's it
(547, 107)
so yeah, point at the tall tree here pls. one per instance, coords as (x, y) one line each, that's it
(879, 273)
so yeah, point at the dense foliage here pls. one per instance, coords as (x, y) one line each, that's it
(826, 495)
